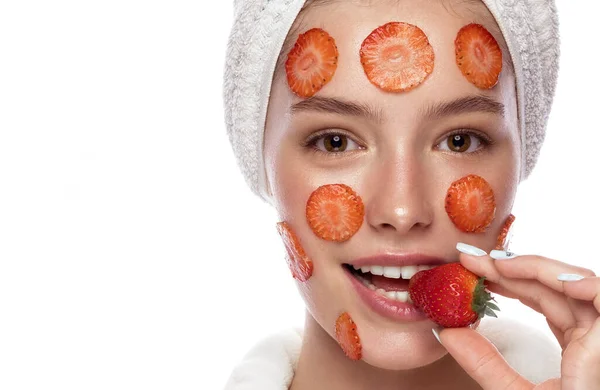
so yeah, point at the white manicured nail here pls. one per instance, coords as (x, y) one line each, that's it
(569, 277)
(436, 334)
(502, 255)
(470, 249)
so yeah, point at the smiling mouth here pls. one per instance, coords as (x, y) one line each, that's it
(389, 282)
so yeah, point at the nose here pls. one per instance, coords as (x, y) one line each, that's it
(398, 200)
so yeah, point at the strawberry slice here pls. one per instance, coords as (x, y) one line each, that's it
(470, 204)
(311, 63)
(397, 57)
(298, 262)
(478, 55)
(347, 336)
(335, 212)
(451, 295)
(502, 242)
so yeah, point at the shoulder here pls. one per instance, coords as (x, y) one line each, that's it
(528, 350)
(269, 365)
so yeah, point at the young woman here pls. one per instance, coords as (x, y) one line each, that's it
(391, 137)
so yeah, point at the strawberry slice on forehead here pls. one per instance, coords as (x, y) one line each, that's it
(478, 56)
(397, 57)
(311, 63)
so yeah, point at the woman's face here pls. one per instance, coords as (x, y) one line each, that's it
(397, 158)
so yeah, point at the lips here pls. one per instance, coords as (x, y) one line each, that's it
(382, 283)
(397, 260)
(398, 308)
(392, 272)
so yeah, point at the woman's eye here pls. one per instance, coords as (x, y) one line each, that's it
(335, 143)
(461, 143)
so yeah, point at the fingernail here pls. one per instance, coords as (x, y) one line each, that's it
(569, 277)
(502, 255)
(437, 335)
(470, 249)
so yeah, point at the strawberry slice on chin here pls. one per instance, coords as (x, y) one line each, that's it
(347, 336)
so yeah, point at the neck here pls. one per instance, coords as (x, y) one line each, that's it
(323, 366)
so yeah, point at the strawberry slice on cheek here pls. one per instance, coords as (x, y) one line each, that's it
(470, 204)
(335, 212)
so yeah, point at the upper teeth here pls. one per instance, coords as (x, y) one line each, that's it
(405, 272)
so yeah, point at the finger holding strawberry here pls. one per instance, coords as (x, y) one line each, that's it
(568, 296)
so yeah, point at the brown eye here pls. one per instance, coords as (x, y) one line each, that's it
(335, 142)
(459, 142)
(464, 142)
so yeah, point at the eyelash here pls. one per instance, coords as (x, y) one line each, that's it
(314, 138)
(485, 140)
(311, 142)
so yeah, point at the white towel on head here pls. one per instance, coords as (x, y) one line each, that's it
(530, 29)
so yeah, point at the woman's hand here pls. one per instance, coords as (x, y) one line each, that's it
(571, 308)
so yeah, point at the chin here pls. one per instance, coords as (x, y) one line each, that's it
(387, 343)
(400, 351)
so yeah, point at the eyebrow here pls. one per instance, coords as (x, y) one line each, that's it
(338, 106)
(468, 104)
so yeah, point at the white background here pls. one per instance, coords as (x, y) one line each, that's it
(132, 255)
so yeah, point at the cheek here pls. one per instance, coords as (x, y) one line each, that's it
(290, 185)
(334, 212)
(475, 204)
(301, 266)
(503, 240)
(289, 194)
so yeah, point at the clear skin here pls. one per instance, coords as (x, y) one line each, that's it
(400, 165)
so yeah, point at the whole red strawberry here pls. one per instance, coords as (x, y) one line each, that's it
(451, 295)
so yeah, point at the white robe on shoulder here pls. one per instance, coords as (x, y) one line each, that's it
(271, 363)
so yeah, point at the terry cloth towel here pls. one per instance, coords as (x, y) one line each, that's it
(270, 365)
(530, 28)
